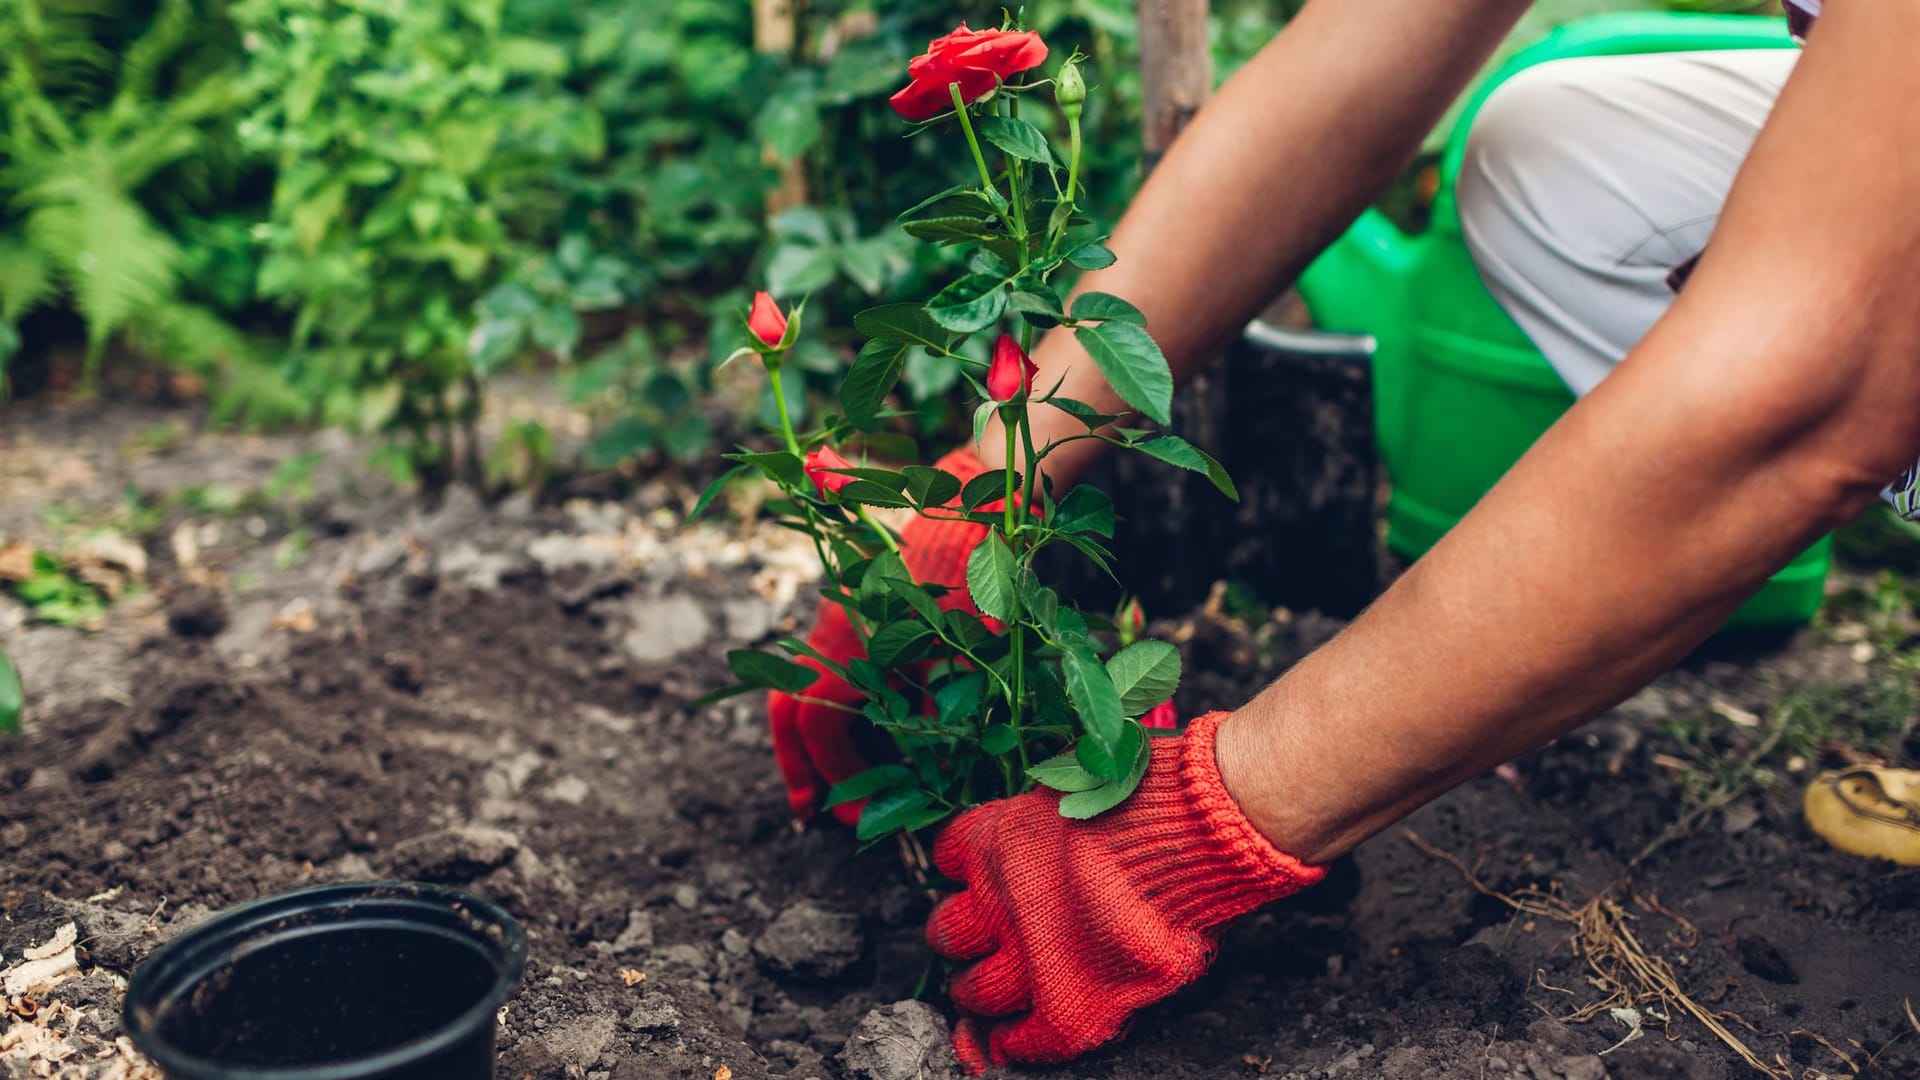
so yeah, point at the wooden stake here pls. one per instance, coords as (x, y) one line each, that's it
(776, 32)
(1176, 68)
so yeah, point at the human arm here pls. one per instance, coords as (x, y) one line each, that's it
(1268, 172)
(1773, 401)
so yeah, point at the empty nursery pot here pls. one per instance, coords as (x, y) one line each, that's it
(385, 981)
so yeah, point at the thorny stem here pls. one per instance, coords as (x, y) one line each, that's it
(973, 143)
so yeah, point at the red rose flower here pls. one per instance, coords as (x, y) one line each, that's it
(1161, 716)
(978, 60)
(819, 462)
(1011, 373)
(766, 320)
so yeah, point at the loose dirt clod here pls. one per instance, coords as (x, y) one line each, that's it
(808, 941)
(907, 1040)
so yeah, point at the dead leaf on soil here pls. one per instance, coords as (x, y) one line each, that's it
(723, 1073)
(297, 617)
(16, 561)
(1734, 714)
(631, 977)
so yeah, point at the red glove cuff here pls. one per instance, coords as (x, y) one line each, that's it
(1197, 858)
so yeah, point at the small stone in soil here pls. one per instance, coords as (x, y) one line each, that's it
(809, 941)
(907, 1040)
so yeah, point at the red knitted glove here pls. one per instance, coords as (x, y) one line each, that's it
(1080, 923)
(816, 746)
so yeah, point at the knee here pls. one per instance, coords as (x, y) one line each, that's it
(1524, 155)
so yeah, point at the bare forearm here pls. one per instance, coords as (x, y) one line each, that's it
(1768, 406)
(1269, 171)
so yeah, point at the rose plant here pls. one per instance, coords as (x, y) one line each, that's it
(987, 682)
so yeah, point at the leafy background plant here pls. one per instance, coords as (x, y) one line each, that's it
(360, 211)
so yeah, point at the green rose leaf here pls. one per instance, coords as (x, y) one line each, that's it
(1089, 804)
(713, 491)
(765, 671)
(1146, 673)
(1133, 366)
(868, 784)
(907, 323)
(868, 493)
(1063, 772)
(970, 304)
(1086, 509)
(890, 643)
(1017, 138)
(953, 230)
(1091, 257)
(931, 487)
(985, 488)
(871, 379)
(999, 739)
(1112, 768)
(778, 466)
(990, 579)
(1094, 697)
(899, 810)
(1100, 307)
(1175, 450)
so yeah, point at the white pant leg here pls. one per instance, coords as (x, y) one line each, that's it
(1587, 180)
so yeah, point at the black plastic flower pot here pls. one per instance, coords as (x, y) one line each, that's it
(385, 981)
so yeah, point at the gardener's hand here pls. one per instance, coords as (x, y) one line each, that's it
(1077, 924)
(815, 733)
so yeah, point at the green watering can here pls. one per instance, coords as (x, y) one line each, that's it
(1459, 392)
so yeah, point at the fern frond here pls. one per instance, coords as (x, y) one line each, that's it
(26, 278)
(110, 256)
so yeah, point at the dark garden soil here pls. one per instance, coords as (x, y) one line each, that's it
(495, 697)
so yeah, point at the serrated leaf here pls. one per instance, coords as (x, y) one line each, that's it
(1063, 772)
(1094, 697)
(713, 490)
(1099, 306)
(1133, 365)
(1086, 509)
(779, 466)
(1017, 138)
(1088, 804)
(931, 487)
(897, 811)
(889, 643)
(960, 698)
(1092, 257)
(871, 378)
(990, 578)
(1083, 412)
(868, 784)
(1146, 673)
(1112, 768)
(868, 493)
(1175, 450)
(765, 671)
(999, 739)
(970, 304)
(908, 323)
(985, 488)
(952, 230)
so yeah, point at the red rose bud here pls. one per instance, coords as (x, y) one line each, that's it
(1011, 373)
(767, 321)
(1131, 620)
(817, 465)
(1161, 716)
(978, 60)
